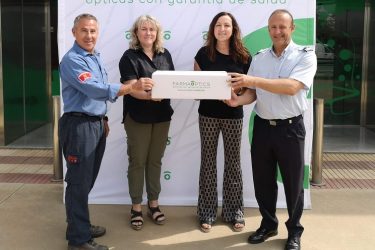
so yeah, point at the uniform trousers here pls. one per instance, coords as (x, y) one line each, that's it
(83, 141)
(146, 145)
(279, 143)
(232, 208)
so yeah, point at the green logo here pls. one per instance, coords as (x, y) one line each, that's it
(167, 35)
(169, 140)
(167, 175)
(128, 35)
(204, 35)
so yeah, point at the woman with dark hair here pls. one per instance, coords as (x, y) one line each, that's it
(146, 120)
(223, 51)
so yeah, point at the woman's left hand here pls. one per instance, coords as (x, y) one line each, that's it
(233, 101)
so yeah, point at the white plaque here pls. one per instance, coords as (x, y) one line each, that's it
(191, 85)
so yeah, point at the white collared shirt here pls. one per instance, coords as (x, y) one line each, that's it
(296, 62)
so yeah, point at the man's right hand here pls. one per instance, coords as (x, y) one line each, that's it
(143, 83)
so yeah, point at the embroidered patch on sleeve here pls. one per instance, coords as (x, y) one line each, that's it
(72, 159)
(84, 76)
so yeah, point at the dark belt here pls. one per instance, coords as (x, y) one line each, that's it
(80, 114)
(282, 122)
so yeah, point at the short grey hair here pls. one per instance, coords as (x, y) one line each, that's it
(84, 16)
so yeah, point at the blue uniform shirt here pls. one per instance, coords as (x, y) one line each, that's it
(85, 86)
(296, 62)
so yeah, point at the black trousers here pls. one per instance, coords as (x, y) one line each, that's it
(279, 144)
(83, 141)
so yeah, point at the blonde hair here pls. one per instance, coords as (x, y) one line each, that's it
(134, 42)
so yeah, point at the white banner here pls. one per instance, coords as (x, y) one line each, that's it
(185, 24)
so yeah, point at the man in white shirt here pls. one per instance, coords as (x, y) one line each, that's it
(279, 79)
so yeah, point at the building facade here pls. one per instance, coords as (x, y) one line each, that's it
(345, 48)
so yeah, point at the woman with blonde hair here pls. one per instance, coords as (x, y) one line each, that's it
(146, 121)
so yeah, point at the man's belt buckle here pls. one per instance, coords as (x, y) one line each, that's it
(272, 123)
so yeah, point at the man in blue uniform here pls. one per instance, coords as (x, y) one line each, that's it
(279, 79)
(83, 127)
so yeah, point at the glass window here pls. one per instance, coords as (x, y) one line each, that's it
(26, 95)
(339, 42)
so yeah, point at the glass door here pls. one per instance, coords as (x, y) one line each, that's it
(25, 87)
(370, 100)
(339, 46)
(37, 91)
(345, 75)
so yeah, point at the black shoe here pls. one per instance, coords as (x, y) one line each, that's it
(90, 245)
(97, 231)
(293, 243)
(260, 235)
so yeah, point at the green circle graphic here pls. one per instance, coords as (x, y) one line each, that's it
(331, 43)
(345, 54)
(348, 67)
(341, 78)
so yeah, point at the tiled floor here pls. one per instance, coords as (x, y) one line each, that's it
(32, 216)
(26, 166)
(353, 171)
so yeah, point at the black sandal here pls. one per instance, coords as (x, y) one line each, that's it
(136, 219)
(159, 219)
(236, 223)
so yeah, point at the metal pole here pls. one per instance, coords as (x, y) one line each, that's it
(57, 158)
(317, 142)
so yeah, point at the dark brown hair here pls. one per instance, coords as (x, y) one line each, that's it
(237, 50)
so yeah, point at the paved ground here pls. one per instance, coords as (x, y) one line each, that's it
(32, 215)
